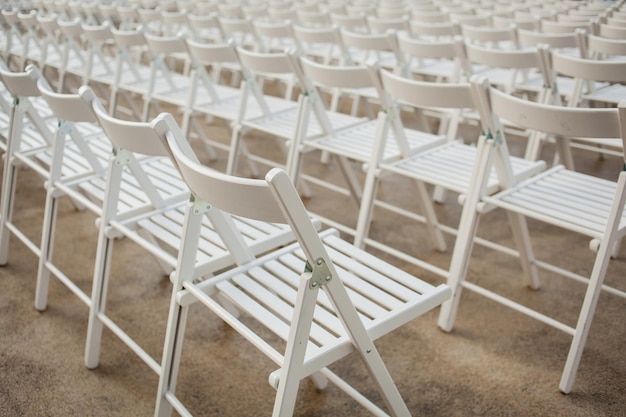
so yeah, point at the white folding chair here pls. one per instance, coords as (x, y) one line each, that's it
(278, 116)
(15, 44)
(77, 166)
(362, 298)
(447, 166)
(490, 37)
(431, 59)
(132, 74)
(348, 139)
(322, 43)
(572, 201)
(144, 198)
(33, 41)
(596, 83)
(100, 62)
(74, 55)
(29, 141)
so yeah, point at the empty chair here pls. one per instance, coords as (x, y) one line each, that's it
(74, 56)
(439, 30)
(447, 166)
(435, 59)
(492, 37)
(596, 83)
(349, 143)
(132, 75)
(601, 48)
(322, 43)
(611, 31)
(77, 161)
(29, 140)
(362, 297)
(574, 202)
(144, 198)
(15, 44)
(364, 48)
(100, 62)
(277, 116)
(34, 46)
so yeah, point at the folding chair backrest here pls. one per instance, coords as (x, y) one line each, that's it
(227, 193)
(600, 47)
(269, 63)
(588, 69)
(276, 35)
(332, 76)
(211, 54)
(611, 31)
(443, 30)
(67, 107)
(427, 94)
(20, 84)
(314, 19)
(554, 40)
(137, 137)
(275, 200)
(328, 38)
(354, 23)
(240, 30)
(561, 121)
(548, 26)
(490, 36)
(204, 27)
(382, 25)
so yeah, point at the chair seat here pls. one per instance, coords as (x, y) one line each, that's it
(565, 198)
(613, 93)
(228, 103)
(283, 123)
(385, 297)
(357, 142)
(451, 165)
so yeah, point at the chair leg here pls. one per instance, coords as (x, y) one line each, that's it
(171, 356)
(6, 207)
(458, 267)
(231, 166)
(177, 317)
(366, 210)
(594, 287)
(584, 319)
(47, 242)
(524, 247)
(432, 223)
(98, 300)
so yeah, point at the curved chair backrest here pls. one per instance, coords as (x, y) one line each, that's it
(208, 53)
(610, 31)
(333, 76)
(70, 107)
(228, 193)
(98, 33)
(588, 69)
(557, 120)
(269, 63)
(128, 38)
(138, 137)
(420, 48)
(21, 84)
(510, 58)
(554, 40)
(166, 45)
(428, 94)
